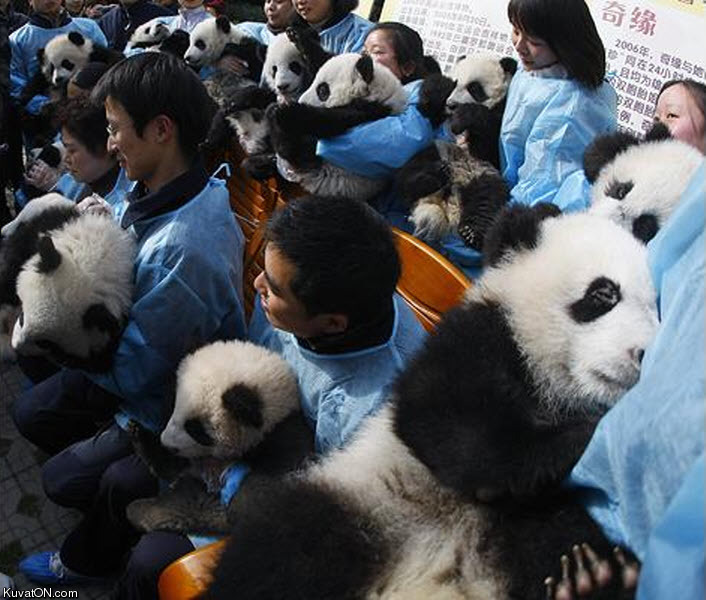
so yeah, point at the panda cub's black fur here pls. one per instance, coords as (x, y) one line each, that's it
(453, 491)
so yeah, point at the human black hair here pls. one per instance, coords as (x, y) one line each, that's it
(343, 253)
(408, 47)
(155, 83)
(86, 122)
(568, 28)
(343, 7)
(696, 89)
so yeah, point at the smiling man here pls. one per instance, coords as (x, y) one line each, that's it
(327, 303)
(188, 293)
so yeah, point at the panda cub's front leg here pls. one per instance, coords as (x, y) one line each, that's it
(481, 201)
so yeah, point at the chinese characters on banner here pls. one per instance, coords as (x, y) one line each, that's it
(647, 42)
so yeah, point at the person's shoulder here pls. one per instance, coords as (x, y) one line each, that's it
(21, 33)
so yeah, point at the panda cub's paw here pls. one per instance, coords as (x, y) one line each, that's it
(587, 575)
(430, 221)
(468, 235)
(433, 94)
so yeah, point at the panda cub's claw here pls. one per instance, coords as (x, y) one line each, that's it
(587, 575)
(468, 235)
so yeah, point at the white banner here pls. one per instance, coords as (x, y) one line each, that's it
(647, 41)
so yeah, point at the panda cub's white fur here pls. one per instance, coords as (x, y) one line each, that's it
(586, 363)
(646, 179)
(95, 267)
(487, 71)
(208, 40)
(148, 35)
(202, 379)
(284, 71)
(345, 84)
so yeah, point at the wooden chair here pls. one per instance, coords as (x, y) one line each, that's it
(187, 577)
(429, 283)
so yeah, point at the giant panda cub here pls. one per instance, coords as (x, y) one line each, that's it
(477, 103)
(70, 276)
(156, 36)
(234, 401)
(63, 56)
(456, 188)
(638, 184)
(212, 39)
(348, 90)
(453, 491)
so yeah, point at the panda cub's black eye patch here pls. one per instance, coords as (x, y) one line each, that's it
(200, 44)
(295, 67)
(619, 189)
(195, 428)
(323, 91)
(274, 70)
(600, 298)
(475, 89)
(67, 64)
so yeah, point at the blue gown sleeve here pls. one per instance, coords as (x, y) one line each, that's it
(675, 552)
(546, 127)
(378, 148)
(19, 73)
(644, 448)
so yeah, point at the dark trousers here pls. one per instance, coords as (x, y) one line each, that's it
(93, 469)
(63, 409)
(152, 554)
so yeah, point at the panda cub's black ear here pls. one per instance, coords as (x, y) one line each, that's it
(364, 66)
(603, 150)
(40, 56)
(223, 24)
(515, 228)
(509, 65)
(49, 257)
(659, 131)
(76, 38)
(244, 404)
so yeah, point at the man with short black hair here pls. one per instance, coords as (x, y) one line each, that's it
(327, 303)
(188, 293)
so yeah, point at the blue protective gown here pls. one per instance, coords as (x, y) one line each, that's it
(188, 292)
(68, 187)
(29, 38)
(548, 122)
(348, 35)
(637, 470)
(339, 390)
(258, 31)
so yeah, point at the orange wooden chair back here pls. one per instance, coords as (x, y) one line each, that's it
(429, 283)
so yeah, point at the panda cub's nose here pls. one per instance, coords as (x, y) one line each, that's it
(283, 87)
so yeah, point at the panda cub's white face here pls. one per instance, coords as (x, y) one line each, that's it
(284, 71)
(229, 396)
(582, 308)
(64, 55)
(347, 77)
(479, 79)
(642, 186)
(208, 40)
(77, 290)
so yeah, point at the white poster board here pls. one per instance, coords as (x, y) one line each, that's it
(647, 41)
